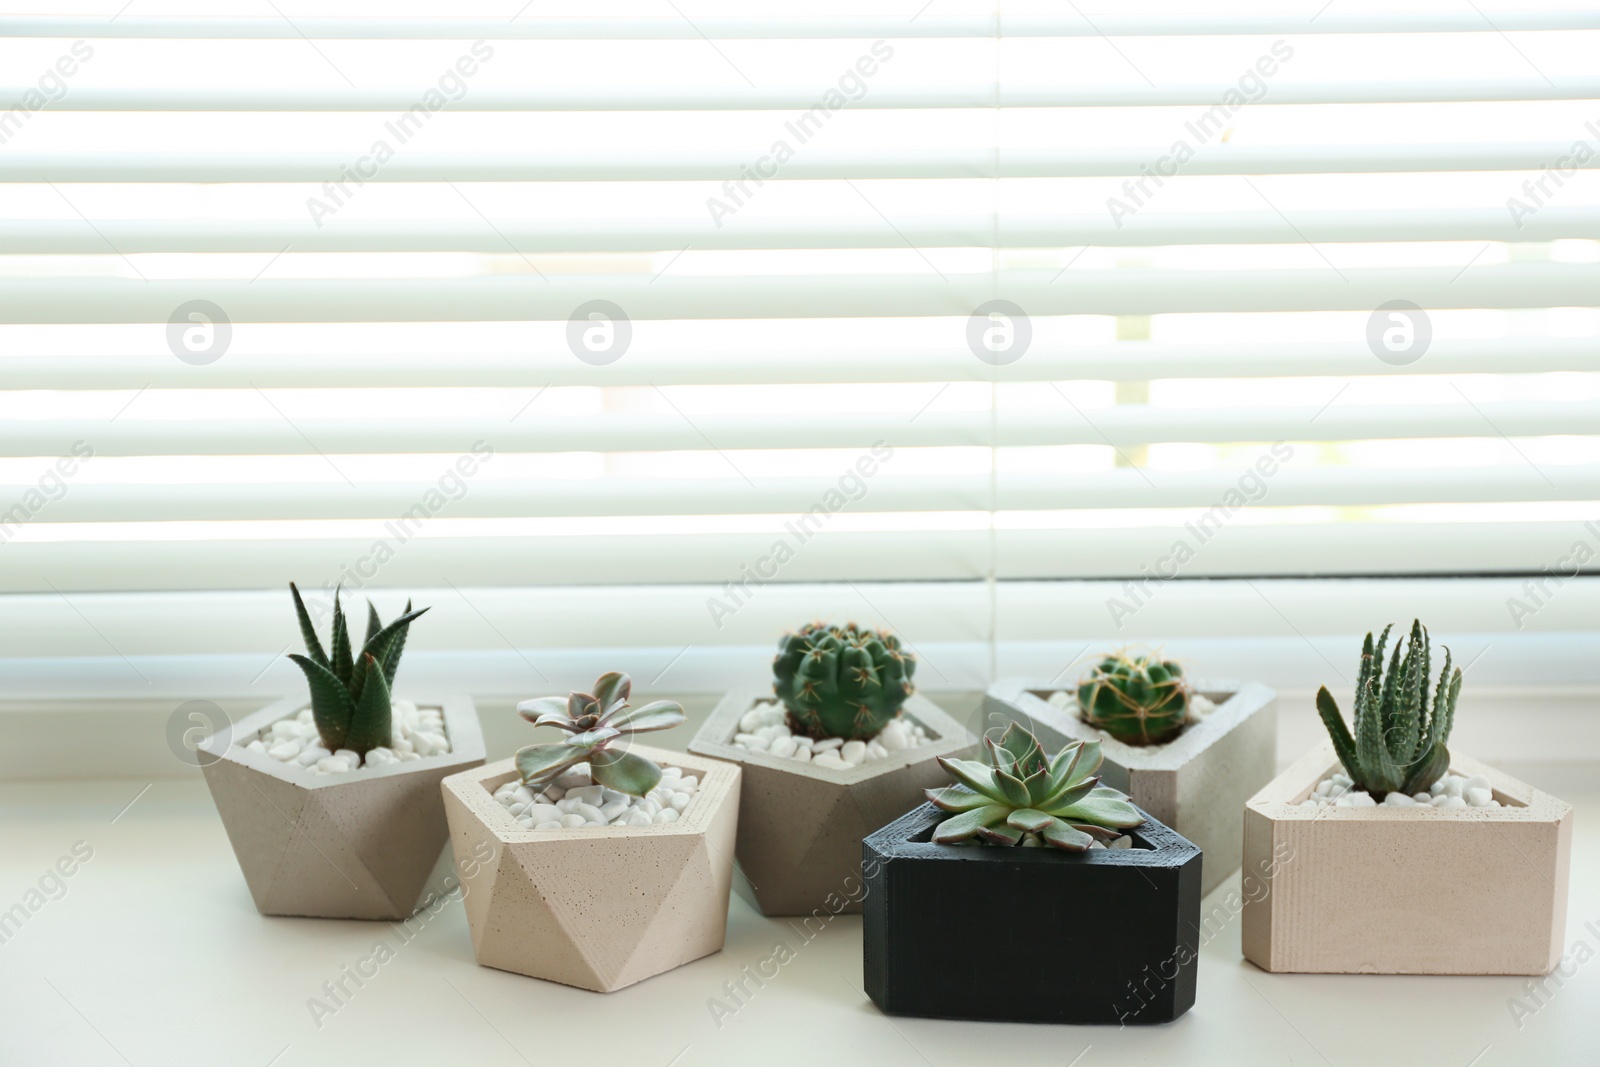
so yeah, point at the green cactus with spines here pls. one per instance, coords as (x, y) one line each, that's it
(1399, 741)
(842, 681)
(350, 695)
(1139, 700)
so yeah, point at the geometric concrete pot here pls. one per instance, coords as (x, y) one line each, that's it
(359, 845)
(597, 907)
(1110, 935)
(1415, 890)
(1196, 783)
(800, 825)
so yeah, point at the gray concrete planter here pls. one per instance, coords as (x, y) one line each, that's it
(1197, 783)
(801, 826)
(1419, 890)
(335, 846)
(597, 907)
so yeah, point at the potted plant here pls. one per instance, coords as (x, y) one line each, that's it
(607, 867)
(1096, 922)
(1409, 860)
(1188, 752)
(332, 805)
(842, 745)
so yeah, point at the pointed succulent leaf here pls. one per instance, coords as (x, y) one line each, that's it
(1103, 833)
(1026, 755)
(590, 739)
(1068, 838)
(1029, 820)
(374, 624)
(1000, 834)
(625, 772)
(956, 798)
(372, 723)
(1084, 763)
(385, 645)
(611, 690)
(1433, 765)
(540, 707)
(656, 715)
(1012, 789)
(974, 775)
(968, 823)
(1069, 796)
(331, 707)
(1343, 744)
(540, 763)
(339, 655)
(1104, 806)
(313, 645)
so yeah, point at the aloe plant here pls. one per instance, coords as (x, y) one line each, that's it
(1399, 742)
(350, 701)
(593, 723)
(1020, 792)
(841, 681)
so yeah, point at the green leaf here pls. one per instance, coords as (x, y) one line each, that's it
(1026, 755)
(1434, 765)
(624, 772)
(1068, 796)
(1343, 745)
(374, 624)
(592, 738)
(968, 823)
(391, 661)
(1029, 820)
(656, 715)
(1104, 807)
(372, 723)
(1065, 837)
(331, 706)
(976, 776)
(1012, 789)
(539, 763)
(307, 631)
(611, 689)
(539, 708)
(956, 798)
(339, 655)
(1000, 834)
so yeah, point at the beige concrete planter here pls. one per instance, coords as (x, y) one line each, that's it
(597, 907)
(1406, 890)
(801, 826)
(1196, 784)
(336, 846)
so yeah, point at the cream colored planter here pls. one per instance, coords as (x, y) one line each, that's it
(1405, 890)
(336, 846)
(595, 907)
(1196, 784)
(801, 826)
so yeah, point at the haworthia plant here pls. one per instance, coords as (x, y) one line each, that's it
(841, 681)
(1399, 742)
(350, 693)
(594, 724)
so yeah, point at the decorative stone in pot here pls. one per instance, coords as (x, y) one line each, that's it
(958, 928)
(1196, 783)
(801, 823)
(596, 906)
(357, 843)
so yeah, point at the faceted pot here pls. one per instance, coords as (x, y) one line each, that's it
(598, 907)
(800, 825)
(359, 845)
(1405, 890)
(1197, 783)
(1014, 934)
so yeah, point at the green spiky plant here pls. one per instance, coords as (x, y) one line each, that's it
(1139, 700)
(350, 694)
(841, 681)
(1020, 792)
(1399, 742)
(593, 723)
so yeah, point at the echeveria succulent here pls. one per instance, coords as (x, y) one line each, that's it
(593, 723)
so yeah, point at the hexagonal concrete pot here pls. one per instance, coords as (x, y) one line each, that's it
(1414, 890)
(348, 846)
(597, 907)
(1197, 783)
(800, 826)
(1030, 934)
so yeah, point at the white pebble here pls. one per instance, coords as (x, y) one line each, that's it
(688, 784)
(304, 715)
(755, 742)
(853, 752)
(407, 756)
(588, 811)
(667, 815)
(1422, 798)
(1398, 800)
(256, 746)
(311, 755)
(544, 813)
(614, 808)
(404, 747)
(333, 765)
(672, 772)
(1479, 797)
(802, 755)
(680, 801)
(893, 737)
(574, 820)
(553, 825)
(1449, 802)
(587, 794)
(826, 743)
(752, 720)
(285, 750)
(350, 756)
(830, 761)
(877, 751)
(637, 817)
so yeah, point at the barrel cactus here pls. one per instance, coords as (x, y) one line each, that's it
(1399, 742)
(1139, 700)
(841, 681)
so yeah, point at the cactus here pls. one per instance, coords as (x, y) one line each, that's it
(350, 694)
(1399, 742)
(841, 681)
(1139, 700)
(593, 723)
(1019, 793)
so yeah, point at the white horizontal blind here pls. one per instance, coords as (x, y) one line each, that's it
(1191, 228)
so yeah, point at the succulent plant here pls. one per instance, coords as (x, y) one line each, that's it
(1139, 700)
(841, 681)
(593, 723)
(350, 694)
(1399, 742)
(1020, 792)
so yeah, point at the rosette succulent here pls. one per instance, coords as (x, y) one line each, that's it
(594, 723)
(349, 693)
(1139, 700)
(1399, 742)
(841, 681)
(1020, 793)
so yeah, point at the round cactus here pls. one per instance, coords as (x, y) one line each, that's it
(841, 681)
(1139, 700)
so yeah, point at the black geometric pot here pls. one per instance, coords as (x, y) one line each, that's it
(1030, 934)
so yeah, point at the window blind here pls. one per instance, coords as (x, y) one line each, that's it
(751, 296)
